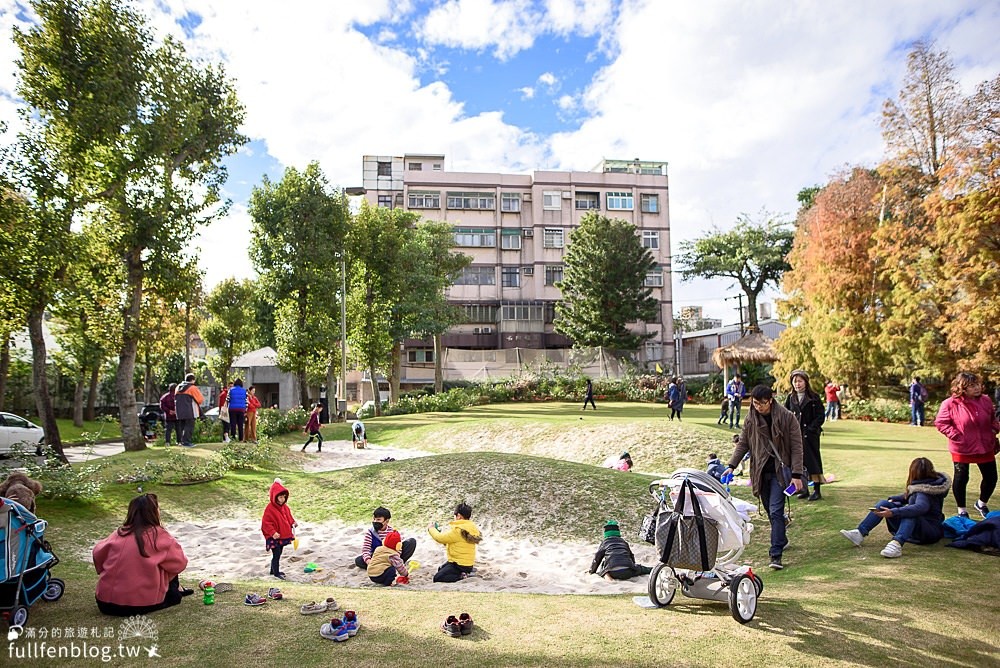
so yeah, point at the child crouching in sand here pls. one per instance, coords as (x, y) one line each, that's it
(460, 540)
(386, 563)
(277, 525)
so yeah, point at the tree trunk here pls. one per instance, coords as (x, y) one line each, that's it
(40, 382)
(128, 417)
(397, 371)
(78, 399)
(752, 325)
(438, 370)
(303, 390)
(4, 365)
(92, 395)
(147, 379)
(375, 393)
(331, 382)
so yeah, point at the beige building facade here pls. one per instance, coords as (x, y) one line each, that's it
(516, 228)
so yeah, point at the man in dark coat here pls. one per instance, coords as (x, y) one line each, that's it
(187, 400)
(772, 436)
(614, 559)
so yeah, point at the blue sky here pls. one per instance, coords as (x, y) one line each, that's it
(747, 102)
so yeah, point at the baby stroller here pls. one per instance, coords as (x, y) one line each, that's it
(25, 561)
(727, 580)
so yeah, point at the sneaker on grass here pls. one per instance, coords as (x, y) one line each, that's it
(254, 599)
(853, 535)
(335, 630)
(775, 564)
(893, 550)
(451, 626)
(351, 622)
(982, 508)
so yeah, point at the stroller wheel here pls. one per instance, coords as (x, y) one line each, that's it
(662, 585)
(54, 590)
(758, 583)
(18, 616)
(742, 598)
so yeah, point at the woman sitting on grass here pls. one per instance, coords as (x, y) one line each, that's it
(914, 516)
(139, 563)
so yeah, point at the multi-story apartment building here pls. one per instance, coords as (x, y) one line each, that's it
(516, 228)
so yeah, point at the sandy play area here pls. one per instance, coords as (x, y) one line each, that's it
(233, 548)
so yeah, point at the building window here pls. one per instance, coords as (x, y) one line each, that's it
(553, 237)
(425, 200)
(471, 201)
(552, 200)
(415, 167)
(384, 168)
(477, 276)
(510, 239)
(653, 351)
(436, 167)
(475, 238)
(620, 201)
(651, 239)
(510, 277)
(480, 313)
(522, 312)
(385, 200)
(421, 355)
(650, 203)
(654, 279)
(702, 354)
(510, 202)
(588, 201)
(553, 274)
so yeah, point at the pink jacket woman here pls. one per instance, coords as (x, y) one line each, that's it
(971, 428)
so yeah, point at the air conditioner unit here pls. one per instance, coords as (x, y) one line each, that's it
(567, 194)
(528, 271)
(528, 232)
(526, 197)
(487, 330)
(477, 330)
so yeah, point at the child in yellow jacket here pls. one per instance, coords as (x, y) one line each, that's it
(460, 540)
(386, 563)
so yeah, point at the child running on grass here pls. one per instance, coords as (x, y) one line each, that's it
(312, 428)
(277, 525)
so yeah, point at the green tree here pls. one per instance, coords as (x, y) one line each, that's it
(603, 286)
(377, 267)
(753, 254)
(299, 225)
(229, 325)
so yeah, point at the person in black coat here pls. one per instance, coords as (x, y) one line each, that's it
(614, 559)
(808, 409)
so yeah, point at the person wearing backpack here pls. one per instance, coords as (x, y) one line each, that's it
(918, 398)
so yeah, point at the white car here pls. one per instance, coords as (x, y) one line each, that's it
(15, 429)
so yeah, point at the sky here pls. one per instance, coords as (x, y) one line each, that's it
(748, 102)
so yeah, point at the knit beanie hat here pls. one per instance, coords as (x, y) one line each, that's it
(799, 372)
(611, 529)
(392, 540)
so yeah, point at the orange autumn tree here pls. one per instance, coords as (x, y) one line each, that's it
(835, 292)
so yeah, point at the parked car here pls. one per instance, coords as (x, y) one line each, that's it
(16, 429)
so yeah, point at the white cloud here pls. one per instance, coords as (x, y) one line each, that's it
(547, 78)
(527, 92)
(508, 26)
(566, 102)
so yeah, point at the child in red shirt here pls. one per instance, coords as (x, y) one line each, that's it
(277, 525)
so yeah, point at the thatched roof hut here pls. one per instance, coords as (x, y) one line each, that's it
(754, 347)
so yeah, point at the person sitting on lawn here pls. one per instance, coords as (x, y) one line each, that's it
(139, 563)
(624, 462)
(614, 559)
(460, 540)
(375, 536)
(386, 563)
(914, 516)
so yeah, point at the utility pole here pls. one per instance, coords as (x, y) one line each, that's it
(739, 297)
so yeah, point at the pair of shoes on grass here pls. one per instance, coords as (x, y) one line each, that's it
(457, 626)
(340, 630)
(314, 607)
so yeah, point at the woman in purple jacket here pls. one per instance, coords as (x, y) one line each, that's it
(967, 419)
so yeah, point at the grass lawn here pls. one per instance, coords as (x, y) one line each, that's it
(91, 430)
(531, 469)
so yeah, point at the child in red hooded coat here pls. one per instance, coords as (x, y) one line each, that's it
(277, 525)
